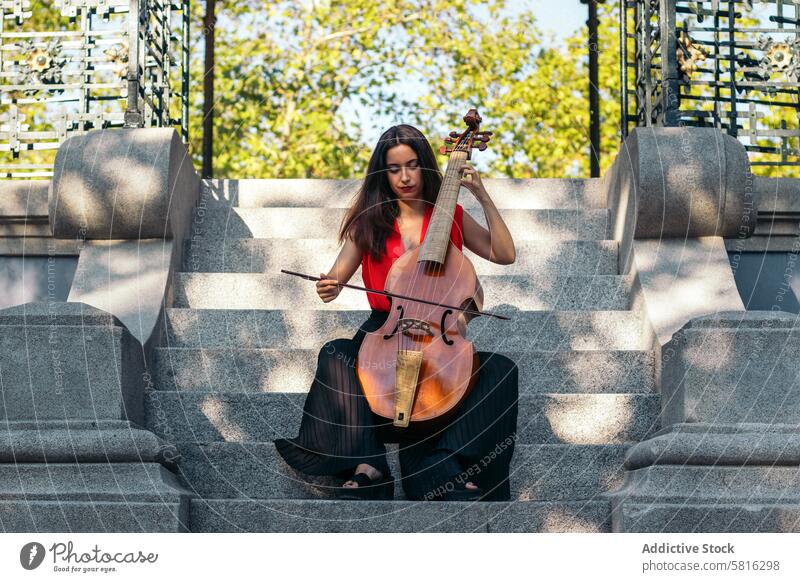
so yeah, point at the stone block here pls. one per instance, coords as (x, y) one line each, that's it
(122, 183)
(699, 443)
(708, 498)
(89, 497)
(68, 361)
(733, 367)
(74, 455)
(82, 441)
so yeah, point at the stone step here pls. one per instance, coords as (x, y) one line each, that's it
(98, 515)
(30, 227)
(543, 418)
(541, 193)
(284, 370)
(132, 482)
(322, 515)
(710, 517)
(257, 291)
(91, 497)
(538, 472)
(219, 223)
(709, 498)
(310, 329)
(310, 255)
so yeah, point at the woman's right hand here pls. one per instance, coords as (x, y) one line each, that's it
(327, 289)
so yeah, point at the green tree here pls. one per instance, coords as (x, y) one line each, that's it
(285, 74)
(534, 95)
(289, 74)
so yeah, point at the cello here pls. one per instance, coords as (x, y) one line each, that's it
(418, 367)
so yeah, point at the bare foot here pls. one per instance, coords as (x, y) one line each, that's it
(369, 470)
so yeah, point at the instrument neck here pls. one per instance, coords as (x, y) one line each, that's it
(437, 236)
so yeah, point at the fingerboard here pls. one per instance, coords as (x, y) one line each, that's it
(437, 237)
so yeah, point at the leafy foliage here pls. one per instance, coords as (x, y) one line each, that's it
(293, 76)
(290, 74)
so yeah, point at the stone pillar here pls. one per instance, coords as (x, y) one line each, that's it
(727, 455)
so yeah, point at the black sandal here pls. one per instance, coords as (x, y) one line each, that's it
(460, 493)
(380, 489)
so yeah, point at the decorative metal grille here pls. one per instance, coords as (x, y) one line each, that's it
(733, 65)
(106, 70)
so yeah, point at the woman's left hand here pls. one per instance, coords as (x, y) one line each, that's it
(471, 180)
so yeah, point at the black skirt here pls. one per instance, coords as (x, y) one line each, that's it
(338, 430)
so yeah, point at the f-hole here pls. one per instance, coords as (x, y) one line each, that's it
(397, 325)
(446, 340)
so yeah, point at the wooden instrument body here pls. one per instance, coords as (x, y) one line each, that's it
(450, 363)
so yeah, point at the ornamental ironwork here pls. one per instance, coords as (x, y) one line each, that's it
(101, 64)
(734, 65)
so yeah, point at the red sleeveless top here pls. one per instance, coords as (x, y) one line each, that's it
(374, 273)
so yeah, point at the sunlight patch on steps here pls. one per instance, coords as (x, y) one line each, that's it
(285, 376)
(560, 520)
(219, 415)
(599, 419)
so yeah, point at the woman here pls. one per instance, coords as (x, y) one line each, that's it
(339, 434)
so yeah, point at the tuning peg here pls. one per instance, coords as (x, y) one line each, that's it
(481, 146)
(449, 140)
(454, 134)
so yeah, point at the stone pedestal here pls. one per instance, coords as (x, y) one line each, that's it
(728, 458)
(74, 455)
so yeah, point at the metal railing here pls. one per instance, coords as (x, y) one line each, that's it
(733, 65)
(113, 66)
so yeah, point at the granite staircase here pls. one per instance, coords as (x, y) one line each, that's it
(242, 341)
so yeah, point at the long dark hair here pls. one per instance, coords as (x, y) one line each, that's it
(370, 220)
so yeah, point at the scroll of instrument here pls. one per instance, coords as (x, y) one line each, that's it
(419, 366)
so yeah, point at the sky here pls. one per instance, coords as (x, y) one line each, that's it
(563, 17)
